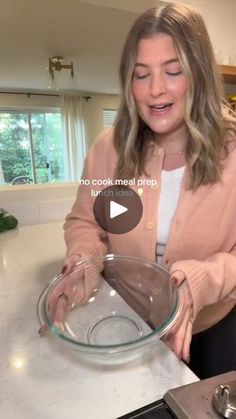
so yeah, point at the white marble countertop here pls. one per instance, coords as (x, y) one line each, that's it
(39, 381)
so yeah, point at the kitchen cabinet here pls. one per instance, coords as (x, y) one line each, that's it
(229, 73)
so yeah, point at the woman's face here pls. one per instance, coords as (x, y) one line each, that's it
(159, 85)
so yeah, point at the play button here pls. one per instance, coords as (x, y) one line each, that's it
(118, 209)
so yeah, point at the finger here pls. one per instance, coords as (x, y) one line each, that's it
(43, 330)
(60, 312)
(67, 267)
(187, 342)
(180, 317)
(72, 287)
(177, 277)
(91, 276)
(69, 263)
(55, 294)
(179, 337)
(75, 293)
(65, 282)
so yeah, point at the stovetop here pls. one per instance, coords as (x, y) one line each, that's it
(192, 401)
(153, 411)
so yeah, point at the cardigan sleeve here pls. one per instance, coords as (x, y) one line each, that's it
(83, 236)
(210, 280)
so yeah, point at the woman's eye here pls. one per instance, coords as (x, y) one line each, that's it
(140, 76)
(173, 73)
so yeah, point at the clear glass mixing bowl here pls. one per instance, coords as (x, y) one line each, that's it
(115, 308)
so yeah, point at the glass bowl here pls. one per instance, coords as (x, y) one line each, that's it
(113, 308)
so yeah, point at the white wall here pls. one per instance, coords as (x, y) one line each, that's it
(19, 101)
(219, 16)
(93, 113)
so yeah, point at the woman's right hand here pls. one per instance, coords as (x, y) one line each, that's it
(69, 263)
(75, 287)
(66, 294)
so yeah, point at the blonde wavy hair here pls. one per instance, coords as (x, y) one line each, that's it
(209, 119)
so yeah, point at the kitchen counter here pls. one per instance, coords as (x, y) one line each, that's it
(38, 380)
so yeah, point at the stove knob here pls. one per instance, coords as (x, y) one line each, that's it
(224, 400)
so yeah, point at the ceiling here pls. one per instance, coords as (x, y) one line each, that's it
(89, 33)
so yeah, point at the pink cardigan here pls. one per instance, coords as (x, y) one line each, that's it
(202, 239)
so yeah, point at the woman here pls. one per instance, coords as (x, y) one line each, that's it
(172, 126)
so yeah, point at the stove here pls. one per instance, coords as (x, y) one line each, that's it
(154, 410)
(194, 401)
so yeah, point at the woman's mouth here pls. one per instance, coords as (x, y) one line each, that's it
(160, 109)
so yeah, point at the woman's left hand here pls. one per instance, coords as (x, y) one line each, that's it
(179, 338)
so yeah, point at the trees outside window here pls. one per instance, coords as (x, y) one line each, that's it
(31, 145)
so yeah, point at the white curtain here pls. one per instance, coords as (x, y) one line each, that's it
(2, 181)
(74, 136)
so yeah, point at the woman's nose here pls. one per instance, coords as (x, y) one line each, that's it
(157, 86)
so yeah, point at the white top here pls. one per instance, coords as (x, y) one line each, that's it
(40, 380)
(170, 188)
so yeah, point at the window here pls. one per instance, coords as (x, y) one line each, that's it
(109, 116)
(31, 147)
